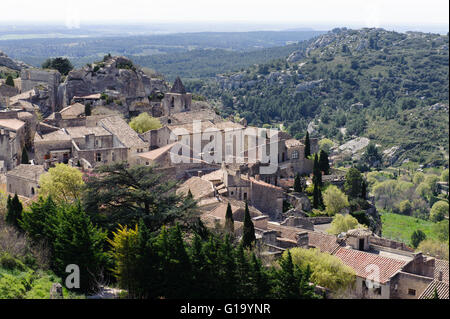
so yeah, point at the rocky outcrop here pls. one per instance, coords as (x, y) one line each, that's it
(115, 74)
(12, 64)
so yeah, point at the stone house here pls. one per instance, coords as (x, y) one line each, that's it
(23, 180)
(177, 100)
(126, 136)
(12, 141)
(72, 115)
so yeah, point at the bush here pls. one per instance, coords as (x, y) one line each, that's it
(334, 199)
(417, 237)
(438, 211)
(434, 248)
(144, 122)
(342, 224)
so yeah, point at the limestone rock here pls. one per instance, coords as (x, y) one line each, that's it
(12, 64)
(115, 74)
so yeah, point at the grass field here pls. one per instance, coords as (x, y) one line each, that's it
(400, 227)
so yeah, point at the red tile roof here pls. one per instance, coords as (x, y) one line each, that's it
(441, 287)
(361, 262)
(441, 265)
(323, 242)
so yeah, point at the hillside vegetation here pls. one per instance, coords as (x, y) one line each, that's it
(390, 87)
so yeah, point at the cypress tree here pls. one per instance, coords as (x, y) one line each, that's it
(87, 109)
(229, 221)
(14, 211)
(9, 81)
(307, 145)
(248, 237)
(317, 173)
(324, 164)
(364, 189)
(435, 294)
(317, 197)
(25, 159)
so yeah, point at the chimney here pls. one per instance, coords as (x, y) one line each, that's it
(257, 177)
(303, 239)
(199, 173)
(440, 275)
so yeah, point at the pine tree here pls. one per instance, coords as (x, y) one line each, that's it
(25, 159)
(14, 211)
(288, 286)
(324, 163)
(248, 237)
(229, 221)
(307, 145)
(298, 187)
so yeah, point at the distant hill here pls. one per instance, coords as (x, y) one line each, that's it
(388, 86)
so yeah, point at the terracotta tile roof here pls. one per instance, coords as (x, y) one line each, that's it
(216, 175)
(29, 172)
(292, 143)
(154, 154)
(82, 131)
(221, 210)
(441, 265)
(127, 136)
(13, 124)
(58, 135)
(441, 287)
(74, 110)
(285, 231)
(199, 188)
(361, 262)
(188, 117)
(323, 242)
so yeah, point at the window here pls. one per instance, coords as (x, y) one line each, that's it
(113, 157)
(411, 292)
(295, 155)
(377, 291)
(98, 157)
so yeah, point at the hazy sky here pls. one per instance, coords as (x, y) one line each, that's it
(372, 13)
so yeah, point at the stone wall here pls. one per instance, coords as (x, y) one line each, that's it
(408, 286)
(21, 187)
(384, 242)
(267, 199)
(43, 80)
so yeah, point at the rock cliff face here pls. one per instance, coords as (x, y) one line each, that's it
(115, 74)
(11, 64)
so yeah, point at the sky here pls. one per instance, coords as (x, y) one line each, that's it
(295, 13)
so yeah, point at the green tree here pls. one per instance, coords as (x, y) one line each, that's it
(143, 193)
(327, 270)
(335, 200)
(372, 156)
(9, 81)
(144, 122)
(63, 65)
(417, 237)
(353, 183)
(439, 211)
(317, 173)
(342, 224)
(229, 221)
(14, 211)
(307, 145)
(418, 178)
(324, 163)
(317, 197)
(25, 159)
(298, 183)
(87, 109)
(77, 241)
(62, 182)
(444, 176)
(39, 220)
(326, 145)
(248, 236)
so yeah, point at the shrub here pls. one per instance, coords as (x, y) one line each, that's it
(438, 211)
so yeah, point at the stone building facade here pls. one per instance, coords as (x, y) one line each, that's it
(24, 180)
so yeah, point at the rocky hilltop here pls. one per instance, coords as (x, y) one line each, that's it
(114, 74)
(9, 63)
